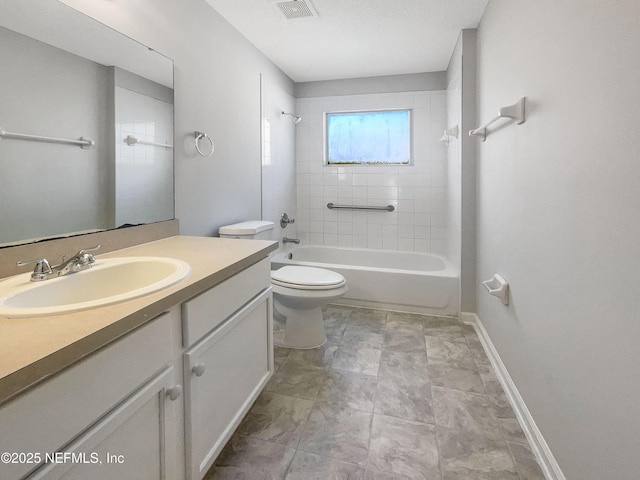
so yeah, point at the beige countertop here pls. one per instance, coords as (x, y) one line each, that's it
(32, 349)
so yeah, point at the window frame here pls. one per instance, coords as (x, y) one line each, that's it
(325, 134)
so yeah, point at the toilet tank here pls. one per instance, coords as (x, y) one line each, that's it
(253, 229)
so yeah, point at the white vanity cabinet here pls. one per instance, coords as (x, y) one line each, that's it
(158, 403)
(226, 369)
(115, 402)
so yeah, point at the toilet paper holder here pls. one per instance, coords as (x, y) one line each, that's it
(498, 287)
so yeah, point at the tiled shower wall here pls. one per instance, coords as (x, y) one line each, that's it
(417, 191)
(144, 173)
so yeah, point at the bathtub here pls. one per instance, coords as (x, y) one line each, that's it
(393, 280)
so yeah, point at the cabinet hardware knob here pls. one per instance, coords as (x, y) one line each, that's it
(174, 393)
(198, 369)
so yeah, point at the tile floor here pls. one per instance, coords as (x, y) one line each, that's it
(389, 396)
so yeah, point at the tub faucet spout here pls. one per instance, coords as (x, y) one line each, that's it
(290, 240)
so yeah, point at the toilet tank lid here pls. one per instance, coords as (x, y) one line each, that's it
(246, 228)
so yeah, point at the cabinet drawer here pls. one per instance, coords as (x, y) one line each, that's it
(203, 313)
(224, 374)
(51, 414)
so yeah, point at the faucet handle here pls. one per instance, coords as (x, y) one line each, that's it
(90, 249)
(40, 271)
(84, 258)
(285, 220)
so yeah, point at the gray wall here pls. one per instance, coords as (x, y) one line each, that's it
(217, 91)
(557, 215)
(39, 179)
(278, 159)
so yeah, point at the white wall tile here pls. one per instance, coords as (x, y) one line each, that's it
(331, 240)
(390, 243)
(345, 240)
(374, 242)
(418, 191)
(406, 244)
(360, 241)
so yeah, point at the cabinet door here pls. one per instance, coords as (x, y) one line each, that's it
(49, 416)
(135, 440)
(224, 374)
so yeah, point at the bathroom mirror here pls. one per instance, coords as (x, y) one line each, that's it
(69, 78)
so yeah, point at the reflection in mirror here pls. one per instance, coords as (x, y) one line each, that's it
(64, 75)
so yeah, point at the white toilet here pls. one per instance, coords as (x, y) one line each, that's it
(298, 292)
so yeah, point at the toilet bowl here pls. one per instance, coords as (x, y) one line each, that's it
(299, 294)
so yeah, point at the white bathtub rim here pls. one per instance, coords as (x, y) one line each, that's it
(448, 271)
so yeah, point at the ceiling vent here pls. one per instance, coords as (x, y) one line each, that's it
(296, 9)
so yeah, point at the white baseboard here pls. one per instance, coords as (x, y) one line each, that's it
(539, 446)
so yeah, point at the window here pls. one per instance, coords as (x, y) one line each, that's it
(380, 138)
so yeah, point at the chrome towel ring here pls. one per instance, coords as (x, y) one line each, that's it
(199, 136)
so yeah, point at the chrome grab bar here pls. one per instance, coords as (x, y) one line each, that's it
(388, 208)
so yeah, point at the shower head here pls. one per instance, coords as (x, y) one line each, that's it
(296, 119)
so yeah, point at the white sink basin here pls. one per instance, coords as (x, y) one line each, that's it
(108, 281)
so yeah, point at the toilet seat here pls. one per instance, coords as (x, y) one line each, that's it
(307, 278)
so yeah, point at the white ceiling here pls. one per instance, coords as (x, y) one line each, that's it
(355, 38)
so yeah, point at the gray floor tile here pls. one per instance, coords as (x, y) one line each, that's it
(334, 332)
(506, 417)
(409, 318)
(443, 349)
(251, 458)
(297, 380)
(403, 448)
(315, 357)
(444, 327)
(431, 321)
(466, 411)
(358, 360)
(363, 336)
(373, 474)
(332, 312)
(349, 389)
(277, 419)
(468, 456)
(511, 429)
(526, 463)
(279, 356)
(455, 375)
(404, 342)
(307, 466)
(374, 403)
(404, 368)
(448, 332)
(469, 331)
(477, 352)
(368, 317)
(491, 383)
(406, 401)
(337, 432)
(404, 323)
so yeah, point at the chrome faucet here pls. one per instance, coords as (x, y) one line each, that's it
(44, 271)
(290, 240)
